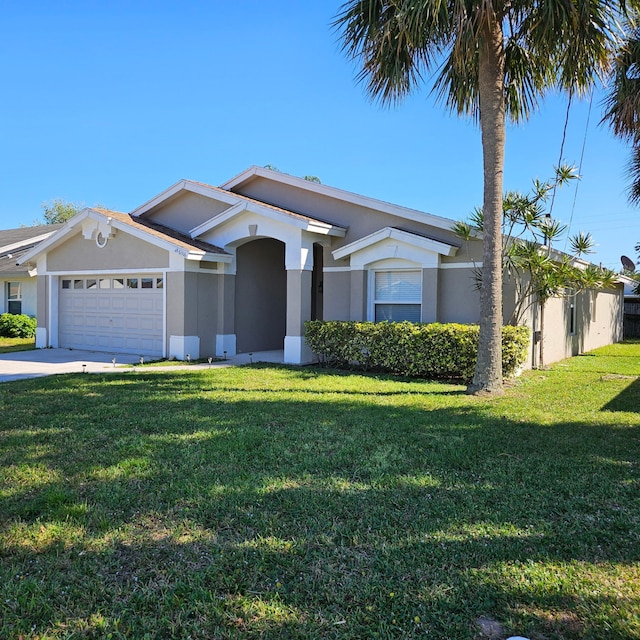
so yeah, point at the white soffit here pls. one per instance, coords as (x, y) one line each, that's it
(412, 239)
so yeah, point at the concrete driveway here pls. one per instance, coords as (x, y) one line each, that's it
(46, 362)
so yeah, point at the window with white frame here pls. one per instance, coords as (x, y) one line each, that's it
(14, 297)
(397, 295)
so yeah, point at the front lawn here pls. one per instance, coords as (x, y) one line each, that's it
(275, 502)
(9, 345)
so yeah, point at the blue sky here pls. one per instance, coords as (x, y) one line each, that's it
(112, 102)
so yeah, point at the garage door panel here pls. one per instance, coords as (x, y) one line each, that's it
(111, 319)
(117, 303)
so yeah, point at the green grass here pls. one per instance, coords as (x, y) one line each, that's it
(9, 345)
(275, 502)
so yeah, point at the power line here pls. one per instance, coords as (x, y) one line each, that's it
(564, 137)
(575, 194)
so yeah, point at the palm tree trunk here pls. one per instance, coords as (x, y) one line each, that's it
(488, 372)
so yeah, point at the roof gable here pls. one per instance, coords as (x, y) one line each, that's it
(236, 204)
(94, 221)
(392, 243)
(244, 178)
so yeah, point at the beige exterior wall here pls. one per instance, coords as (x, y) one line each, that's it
(226, 304)
(336, 288)
(187, 211)
(448, 295)
(598, 322)
(176, 304)
(458, 299)
(192, 307)
(298, 301)
(361, 221)
(201, 311)
(121, 252)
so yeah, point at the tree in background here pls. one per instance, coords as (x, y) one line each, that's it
(57, 210)
(636, 275)
(538, 272)
(622, 103)
(493, 59)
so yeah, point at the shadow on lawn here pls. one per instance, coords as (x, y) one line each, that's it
(626, 400)
(204, 517)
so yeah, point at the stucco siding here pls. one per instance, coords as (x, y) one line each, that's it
(186, 211)
(336, 295)
(123, 252)
(598, 322)
(458, 300)
(176, 299)
(361, 221)
(201, 307)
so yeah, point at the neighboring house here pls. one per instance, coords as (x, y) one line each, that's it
(204, 270)
(19, 291)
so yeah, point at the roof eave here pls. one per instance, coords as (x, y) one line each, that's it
(340, 194)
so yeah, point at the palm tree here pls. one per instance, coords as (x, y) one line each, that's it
(622, 103)
(493, 59)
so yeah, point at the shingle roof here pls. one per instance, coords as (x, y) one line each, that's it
(8, 264)
(13, 236)
(162, 232)
(23, 236)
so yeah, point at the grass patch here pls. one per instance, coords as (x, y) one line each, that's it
(278, 502)
(9, 345)
(166, 362)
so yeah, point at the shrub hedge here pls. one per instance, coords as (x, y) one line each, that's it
(17, 325)
(423, 350)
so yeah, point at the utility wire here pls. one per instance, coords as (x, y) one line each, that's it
(564, 137)
(584, 144)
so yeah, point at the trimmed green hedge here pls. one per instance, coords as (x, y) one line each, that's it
(426, 350)
(17, 325)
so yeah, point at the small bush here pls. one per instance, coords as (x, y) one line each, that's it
(17, 325)
(422, 350)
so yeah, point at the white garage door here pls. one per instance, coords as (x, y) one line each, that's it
(122, 314)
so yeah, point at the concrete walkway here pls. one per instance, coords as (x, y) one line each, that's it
(47, 362)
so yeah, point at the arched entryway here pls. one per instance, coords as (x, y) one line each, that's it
(260, 296)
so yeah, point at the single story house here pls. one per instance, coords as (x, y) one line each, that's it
(17, 282)
(205, 270)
